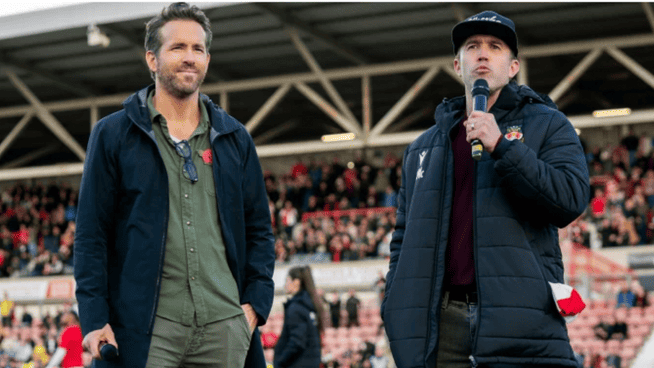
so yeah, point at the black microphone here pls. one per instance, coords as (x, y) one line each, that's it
(480, 92)
(108, 352)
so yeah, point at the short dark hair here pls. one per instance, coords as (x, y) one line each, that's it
(175, 11)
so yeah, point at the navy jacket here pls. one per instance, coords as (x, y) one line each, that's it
(123, 217)
(522, 193)
(299, 343)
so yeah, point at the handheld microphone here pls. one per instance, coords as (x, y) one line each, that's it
(480, 92)
(108, 352)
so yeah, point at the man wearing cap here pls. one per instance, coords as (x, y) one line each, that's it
(476, 243)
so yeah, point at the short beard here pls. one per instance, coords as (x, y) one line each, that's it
(170, 84)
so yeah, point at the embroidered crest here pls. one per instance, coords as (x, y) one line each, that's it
(422, 156)
(513, 133)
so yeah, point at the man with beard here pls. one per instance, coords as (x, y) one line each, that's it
(174, 246)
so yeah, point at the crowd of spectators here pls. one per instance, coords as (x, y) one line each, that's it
(342, 234)
(621, 209)
(614, 326)
(37, 230)
(30, 342)
(37, 223)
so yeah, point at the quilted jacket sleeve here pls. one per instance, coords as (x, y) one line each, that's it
(555, 179)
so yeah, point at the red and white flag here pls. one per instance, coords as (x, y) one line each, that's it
(568, 301)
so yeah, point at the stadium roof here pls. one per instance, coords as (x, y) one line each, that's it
(292, 72)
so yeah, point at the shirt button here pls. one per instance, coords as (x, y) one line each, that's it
(188, 223)
(193, 278)
(192, 249)
(185, 195)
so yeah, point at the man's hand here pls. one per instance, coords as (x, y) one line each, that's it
(94, 339)
(482, 126)
(251, 316)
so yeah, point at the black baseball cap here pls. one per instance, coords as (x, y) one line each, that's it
(487, 23)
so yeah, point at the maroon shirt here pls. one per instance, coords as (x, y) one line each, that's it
(459, 258)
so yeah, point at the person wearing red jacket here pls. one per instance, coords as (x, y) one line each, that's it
(69, 352)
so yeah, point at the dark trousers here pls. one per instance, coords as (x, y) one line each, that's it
(455, 332)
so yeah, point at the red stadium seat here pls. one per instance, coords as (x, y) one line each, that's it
(633, 342)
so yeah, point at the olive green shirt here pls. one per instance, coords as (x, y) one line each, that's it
(196, 279)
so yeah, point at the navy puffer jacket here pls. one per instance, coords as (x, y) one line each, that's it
(522, 193)
(299, 343)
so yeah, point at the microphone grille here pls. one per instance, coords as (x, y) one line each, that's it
(480, 87)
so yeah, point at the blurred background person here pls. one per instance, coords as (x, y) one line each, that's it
(299, 343)
(69, 352)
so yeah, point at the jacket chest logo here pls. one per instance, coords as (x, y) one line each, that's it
(514, 132)
(421, 172)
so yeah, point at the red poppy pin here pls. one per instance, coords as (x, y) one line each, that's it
(207, 157)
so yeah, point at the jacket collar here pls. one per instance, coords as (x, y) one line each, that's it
(136, 108)
(511, 97)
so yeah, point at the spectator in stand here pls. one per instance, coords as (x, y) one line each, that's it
(27, 318)
(641, 295)
(24, 349)
(379, 360)
(313, 204)
(380, 287)
(613, 358)
(604, 328)
(352, 307)
(335, 309)
(54, 267)
(390, 197)
(288, 217)
(51, 343)
(6, 310)
(598, 204)
(299, 169)
(619, 328)
(631, 143)
(336, 249)
(69, 352)
(626, 297)
(51, 238)
(281, 253)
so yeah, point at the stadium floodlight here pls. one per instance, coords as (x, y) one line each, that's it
(95, 37)
(337, 137)
(612, 112)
